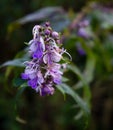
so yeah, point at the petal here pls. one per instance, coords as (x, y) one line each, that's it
(31, 73)
(24, 76)
(35, 31)
(33, 83)
(47, 59)
(39, 51)
(57, 79)
(40, 77)
(56, 66)
(33, 46)
(55, 56)
(52, 43)
(42, 43)
(46, 90)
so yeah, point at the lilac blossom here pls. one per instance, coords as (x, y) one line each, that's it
(43, 72)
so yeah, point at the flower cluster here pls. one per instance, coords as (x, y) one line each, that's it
(44, 69)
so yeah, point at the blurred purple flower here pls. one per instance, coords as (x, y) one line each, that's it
(82, 31)
(80, 50)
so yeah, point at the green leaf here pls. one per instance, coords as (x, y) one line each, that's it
(65, 89)
(21, 90)
(105, 18)
(76, 70)
(27, 43)
(17, 82)
(90, 63)
(20, 120)
(64, 79)
(41, 14)
(82, 83)
(59, 21)
(104, 56)
(23, 85)
(79, 115)
(16, 62)
(89, 75)
(61, 90)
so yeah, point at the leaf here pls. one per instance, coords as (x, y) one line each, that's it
(8, 71)
(103, 54)
(64, 79)
(66, 89)
(20, 120)
(40, 15)
(27, 43)
(60, 22)
(76, 70)
(90, 63)
(23, 85)
(88, 76)
(105, 18)
(89, 69)
(17, 82)
(20, 90)
(79, 115)
(16, 62)
(82, 83)
(56, 15)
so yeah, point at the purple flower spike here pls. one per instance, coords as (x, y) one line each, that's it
(43, 72)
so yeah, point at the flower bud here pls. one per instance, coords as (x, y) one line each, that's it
(55, 35)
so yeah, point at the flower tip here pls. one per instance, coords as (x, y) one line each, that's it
(47, 24)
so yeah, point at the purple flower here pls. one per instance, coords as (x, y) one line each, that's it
(55, 35)
(52, 56)
(80, 50)
(43, 72)
(32, 83)
(84, 23)
(47, 32)
(40, 78)
(39, 51)
(37, 47)
(83, 33)
(46, 89)
(24, 76)
(84, 30)
(54, 71)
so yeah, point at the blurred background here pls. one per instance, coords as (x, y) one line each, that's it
(86, 27)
